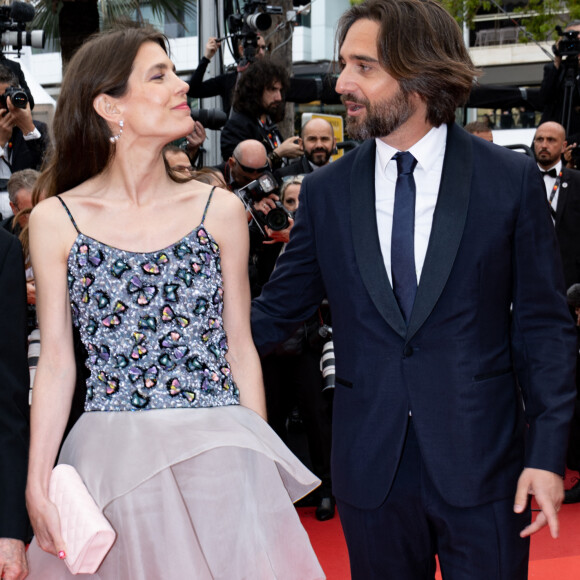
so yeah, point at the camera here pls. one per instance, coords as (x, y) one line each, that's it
(13, 19)
(210, 118)
(569, 43)
(245, 26)
(327, 360)
(278, 217)
(17, 95)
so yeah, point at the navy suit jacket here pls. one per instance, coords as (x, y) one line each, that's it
(464, 366)
(14, 381)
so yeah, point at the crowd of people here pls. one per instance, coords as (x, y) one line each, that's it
(183, 311)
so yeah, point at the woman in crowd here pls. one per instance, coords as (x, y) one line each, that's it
(152, 270)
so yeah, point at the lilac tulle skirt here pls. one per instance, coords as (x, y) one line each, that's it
(192, 494)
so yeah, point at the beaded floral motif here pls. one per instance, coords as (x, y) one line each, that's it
(152, 324)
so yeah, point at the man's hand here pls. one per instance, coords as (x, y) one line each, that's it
(266, 203)
(195, 140)
(548, 489)
(22, 118)
(276, 236)
(211, 47)
(6, 126)
(568, 155)
(290, 148)
(12, 559)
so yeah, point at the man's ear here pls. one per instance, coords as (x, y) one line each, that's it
(106, 107)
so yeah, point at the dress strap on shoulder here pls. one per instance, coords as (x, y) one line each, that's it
(72, 219)
(206, 205)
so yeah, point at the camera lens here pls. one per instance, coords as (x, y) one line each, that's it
(277, 219)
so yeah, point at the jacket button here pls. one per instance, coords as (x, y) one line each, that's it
(408, 351)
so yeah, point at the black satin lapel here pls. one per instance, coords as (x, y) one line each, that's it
(365, 237)
(448, 225)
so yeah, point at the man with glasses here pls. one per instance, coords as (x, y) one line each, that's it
(247, 162)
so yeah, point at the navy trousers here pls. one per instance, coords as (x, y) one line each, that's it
(399, 539)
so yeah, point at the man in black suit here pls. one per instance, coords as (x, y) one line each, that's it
(563, 192)
(14, 411)
(319, 145)
(259, 101)
(439, 260)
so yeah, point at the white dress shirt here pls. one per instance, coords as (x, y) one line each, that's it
(429, 153)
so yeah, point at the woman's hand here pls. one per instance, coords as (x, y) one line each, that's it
(46, 524)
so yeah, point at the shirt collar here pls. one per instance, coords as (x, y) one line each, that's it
(425, 151)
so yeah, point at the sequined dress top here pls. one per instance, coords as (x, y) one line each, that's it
(151, 323)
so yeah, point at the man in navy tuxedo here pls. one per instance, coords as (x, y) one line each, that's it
(455, 350)
(14, 412)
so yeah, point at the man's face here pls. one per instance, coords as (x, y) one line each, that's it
(23, 201)
(549, 144)
(179, 162)
(318, 140)
(272, 98)
(248, 168)
(375, 104)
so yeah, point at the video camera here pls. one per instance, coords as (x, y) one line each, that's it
(13, 32)
(278, 217)
(245, 26)
(569, 43)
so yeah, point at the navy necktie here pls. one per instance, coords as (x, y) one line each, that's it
(403, 272)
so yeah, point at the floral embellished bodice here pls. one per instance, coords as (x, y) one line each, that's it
(151, 323)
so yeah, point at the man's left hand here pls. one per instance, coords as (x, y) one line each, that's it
(548, 489)
(13, 564)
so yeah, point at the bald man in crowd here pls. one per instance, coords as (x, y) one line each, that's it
(319, 145)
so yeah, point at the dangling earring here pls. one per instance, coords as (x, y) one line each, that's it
(116, 137)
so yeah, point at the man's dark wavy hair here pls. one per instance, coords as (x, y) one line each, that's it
(260, 75)
(422, 47)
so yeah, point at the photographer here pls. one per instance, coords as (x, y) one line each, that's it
(293, 379)
(299, 90)
(22, 140)
(259, 102)
(558, 104)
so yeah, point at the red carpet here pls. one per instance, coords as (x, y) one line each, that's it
(549, 559)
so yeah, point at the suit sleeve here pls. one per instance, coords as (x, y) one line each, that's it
(543, 334)
(237, 129)
(14, 382)
(295, 289)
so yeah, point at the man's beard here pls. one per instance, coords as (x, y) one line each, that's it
(382, 117)
(276, 111)
(314, 161)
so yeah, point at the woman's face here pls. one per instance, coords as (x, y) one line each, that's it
(291, 197)
(155, 104)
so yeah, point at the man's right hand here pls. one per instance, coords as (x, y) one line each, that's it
(211, 47)
(290, 148)
(12, 559)
(7, 123)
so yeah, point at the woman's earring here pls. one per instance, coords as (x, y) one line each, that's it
(116, 137)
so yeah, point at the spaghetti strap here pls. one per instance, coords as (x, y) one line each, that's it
(206, 205)
(72, 219)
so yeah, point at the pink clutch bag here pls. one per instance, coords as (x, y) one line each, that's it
(86, 531)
